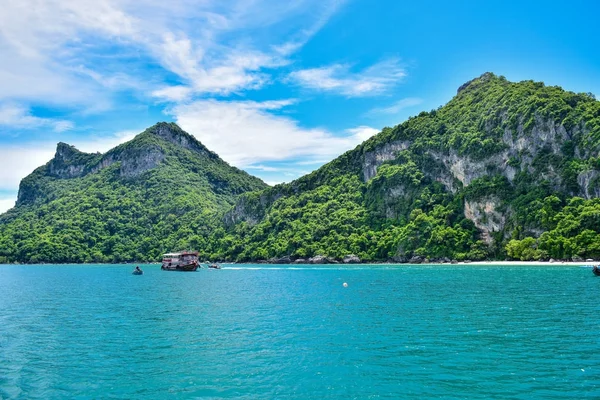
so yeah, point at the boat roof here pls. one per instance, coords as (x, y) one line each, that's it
(180, 253)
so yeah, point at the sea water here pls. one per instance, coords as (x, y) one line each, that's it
(297, 332)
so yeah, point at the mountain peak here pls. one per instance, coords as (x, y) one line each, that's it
(483, 78)
(171, 132)
(65, 151)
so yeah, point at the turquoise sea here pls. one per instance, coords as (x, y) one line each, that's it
(295, 332)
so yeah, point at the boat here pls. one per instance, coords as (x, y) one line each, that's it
(596, 270)
(183, 261)
(214, 266)
(137, 271)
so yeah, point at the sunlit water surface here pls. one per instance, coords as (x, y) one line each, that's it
(274, 332)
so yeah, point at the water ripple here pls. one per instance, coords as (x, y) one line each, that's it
(295, 332)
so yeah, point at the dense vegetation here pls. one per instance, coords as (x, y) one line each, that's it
(104, 216)
(504, 170)
(504, 149)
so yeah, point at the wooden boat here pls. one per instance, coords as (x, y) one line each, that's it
(596, 270)
(184, 261)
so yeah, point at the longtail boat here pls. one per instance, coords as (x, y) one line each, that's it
(184, 261)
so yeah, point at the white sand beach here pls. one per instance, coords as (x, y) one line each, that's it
(532, 263)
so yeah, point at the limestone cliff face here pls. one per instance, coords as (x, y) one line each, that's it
(251, 208)
(68, 162)
(373, 159)
(133, 161)
(486, 217)
(522, 154)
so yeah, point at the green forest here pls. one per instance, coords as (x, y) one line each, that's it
(505, 170)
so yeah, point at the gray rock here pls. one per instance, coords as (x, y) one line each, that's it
(416, 260)
(318, 260)
(281, 260)
(300, 261)
(351, 259)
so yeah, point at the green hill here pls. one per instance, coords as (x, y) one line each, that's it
(503, 170)
(159, 192)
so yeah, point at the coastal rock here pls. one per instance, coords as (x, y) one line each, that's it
(415, 260)
(318, 260)
(281, 260)
(399, 259)
(300, 261)
(351, 259)
(577, 259)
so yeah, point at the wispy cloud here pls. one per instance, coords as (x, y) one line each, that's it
(18, 161)
(362, 132)
(93, 144)
(246, 133)
(7, 202)
(17, 116)
(265, 168)
(340, 79)
(80, 52)
(396, 107)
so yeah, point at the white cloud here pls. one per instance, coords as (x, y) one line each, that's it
(19, 117)
(40, 41)
(177, 93)
(104, 143)
(273, 183)
(397, 106)
(18, 161)
(264, 168)
(7, 203)
(79, 52)
(363, 132)
(245, 132)
(339, 79)
(302, 36)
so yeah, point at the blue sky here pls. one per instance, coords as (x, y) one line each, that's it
(276, 88)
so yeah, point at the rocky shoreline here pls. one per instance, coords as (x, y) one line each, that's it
(353, 259)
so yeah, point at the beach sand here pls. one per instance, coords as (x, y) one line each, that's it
(532, 263)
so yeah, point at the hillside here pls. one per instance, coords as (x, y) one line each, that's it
(502, 170)
(162, 190)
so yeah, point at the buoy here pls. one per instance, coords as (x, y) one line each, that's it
(345, 284)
